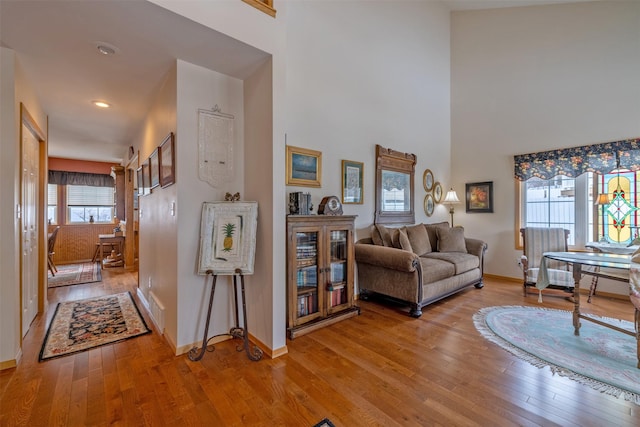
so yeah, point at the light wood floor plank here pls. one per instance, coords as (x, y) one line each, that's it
(381, 368)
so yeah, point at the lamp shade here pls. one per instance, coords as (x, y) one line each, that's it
(603, 199)
(451, 197)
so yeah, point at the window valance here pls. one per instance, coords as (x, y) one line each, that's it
(571, 162)
(80, 178)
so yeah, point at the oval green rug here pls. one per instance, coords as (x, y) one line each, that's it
(600, 357)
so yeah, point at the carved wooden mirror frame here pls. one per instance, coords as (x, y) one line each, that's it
(400, 167)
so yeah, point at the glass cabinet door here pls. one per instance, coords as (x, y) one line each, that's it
(337, 278)
(307, 284)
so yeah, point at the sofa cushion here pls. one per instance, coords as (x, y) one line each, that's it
(451, 240)
(462, 262)
(419, 239)
(434, 269)
(396, 237)
(381, 235)
(403, 240)
(432, 231)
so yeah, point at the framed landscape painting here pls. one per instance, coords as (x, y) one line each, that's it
(167, 161)
(304, 167)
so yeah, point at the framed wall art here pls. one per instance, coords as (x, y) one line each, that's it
(437, 192)
(304, 167)
(479, 197)
(154, 170)
(167, 161)
(429, 204)
(140, 181)
(146, 178)
(427, 180)
(352, 182)
(227, 237)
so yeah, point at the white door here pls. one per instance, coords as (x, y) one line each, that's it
(29, 229)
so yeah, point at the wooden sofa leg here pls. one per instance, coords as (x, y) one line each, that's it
(415, 311)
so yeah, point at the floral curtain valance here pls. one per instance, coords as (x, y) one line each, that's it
(599, 158)
(80, 178)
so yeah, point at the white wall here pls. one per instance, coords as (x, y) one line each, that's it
(14, 89)
(199, 88)
(530, 79)
(158, 229)
(360, 75)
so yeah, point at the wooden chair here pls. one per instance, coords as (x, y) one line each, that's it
(51, 251)
(536, 241)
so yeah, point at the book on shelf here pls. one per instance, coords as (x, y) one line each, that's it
(307, 276)
(307, 304)
(338, 296)
(337, 272)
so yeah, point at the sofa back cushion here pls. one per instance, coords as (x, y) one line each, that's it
(419, 239)
(381, 235)
(432, 231)
(451, 240)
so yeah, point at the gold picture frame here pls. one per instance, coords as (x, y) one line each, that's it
(304, 167)
(352, 182)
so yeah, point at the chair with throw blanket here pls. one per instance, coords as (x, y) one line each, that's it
(536, 241)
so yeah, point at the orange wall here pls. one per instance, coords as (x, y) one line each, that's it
(70, 165)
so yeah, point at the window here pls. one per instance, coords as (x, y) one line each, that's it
(85, 203)
(620, 214)
(52, 203)
(560, 202)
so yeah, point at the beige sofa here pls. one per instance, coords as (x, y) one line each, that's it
(418, 264)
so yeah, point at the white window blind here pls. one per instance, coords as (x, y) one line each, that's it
(82, 195)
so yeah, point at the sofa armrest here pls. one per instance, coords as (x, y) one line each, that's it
(475, 247)
(383, 256)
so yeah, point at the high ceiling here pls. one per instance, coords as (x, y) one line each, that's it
(57, 47)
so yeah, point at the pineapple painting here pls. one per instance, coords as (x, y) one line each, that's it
(229, 229)
(227, 237)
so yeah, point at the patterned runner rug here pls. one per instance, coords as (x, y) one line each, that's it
(75, 274)
(600, 357)
(81, 325)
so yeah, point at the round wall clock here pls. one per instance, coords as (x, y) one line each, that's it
(427, 180)
(330, 205)
(429, 204)
(437, 192)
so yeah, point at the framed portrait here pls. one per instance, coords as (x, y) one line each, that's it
(437, 192)
(304, 167)
(427, 180)
(429, 204)
(154, 170)
(166, 161)
(352, 182)
(227, 237)
(479, 197)
(146, 178)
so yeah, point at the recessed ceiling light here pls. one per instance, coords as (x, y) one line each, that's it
(101, 104)
(105, 48)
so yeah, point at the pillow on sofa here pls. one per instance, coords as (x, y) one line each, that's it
(432, 231)
(381, 235)
(402, 240)
(419, 239)
(451, 240)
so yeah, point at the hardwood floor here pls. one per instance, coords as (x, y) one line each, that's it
(380, 368)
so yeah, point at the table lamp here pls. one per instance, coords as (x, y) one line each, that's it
(451, 199)
(602, 200)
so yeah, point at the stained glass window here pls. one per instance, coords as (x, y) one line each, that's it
(620, 215)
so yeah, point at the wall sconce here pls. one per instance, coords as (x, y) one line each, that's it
(451, 199)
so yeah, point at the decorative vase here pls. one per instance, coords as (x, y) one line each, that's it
(91, 220)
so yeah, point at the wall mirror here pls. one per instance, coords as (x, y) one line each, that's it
(394, 186)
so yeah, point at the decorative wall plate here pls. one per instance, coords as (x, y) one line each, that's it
(427, 180)
(437, 192)
(429, 204)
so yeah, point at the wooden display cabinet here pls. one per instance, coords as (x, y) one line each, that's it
(320, 272)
